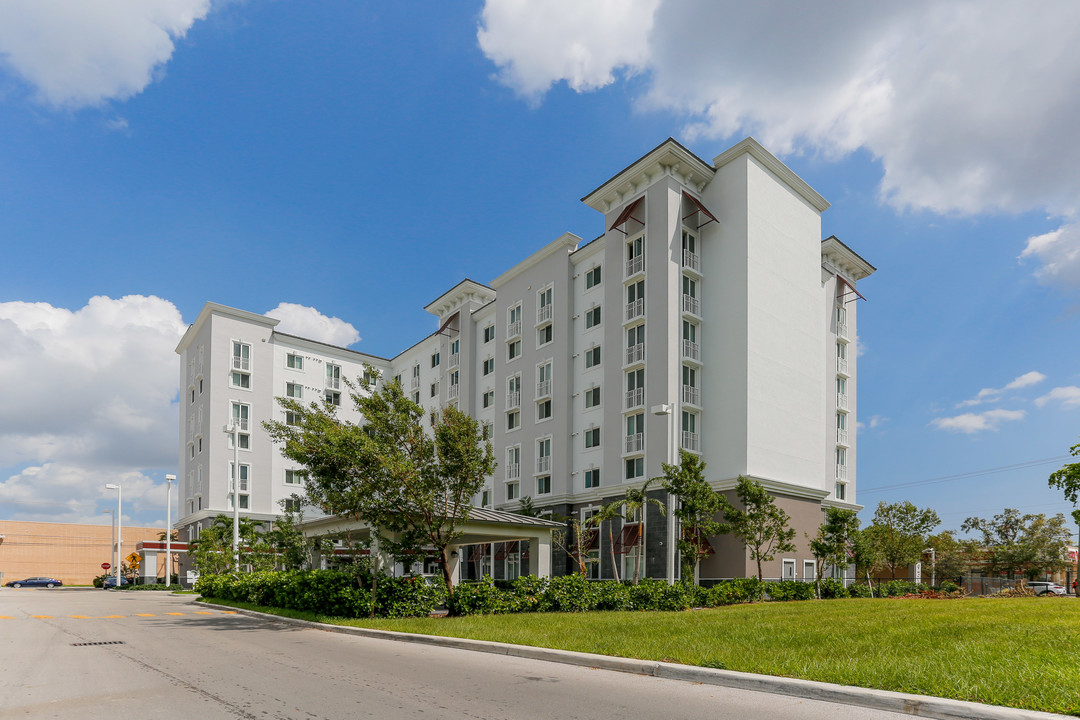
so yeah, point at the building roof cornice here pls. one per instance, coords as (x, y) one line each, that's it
(567, 242)
(461, 294)
(838, 258)
(669, 158)
(318, 346)
(770, 161)
(212, 308)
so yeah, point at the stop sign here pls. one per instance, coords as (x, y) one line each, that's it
(105, 566)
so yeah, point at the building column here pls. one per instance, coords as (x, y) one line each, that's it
(540, 548)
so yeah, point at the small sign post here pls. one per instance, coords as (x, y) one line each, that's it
(106, 566)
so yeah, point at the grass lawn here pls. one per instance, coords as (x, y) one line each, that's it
(1022, 652)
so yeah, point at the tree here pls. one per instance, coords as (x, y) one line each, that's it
(1014, 543)
(637, 501)
(608, 514)
(835, 540)
(576, 541)
(696, 508)
(211, 552)
(1067, 479)
(899, 533)
(866, 555)
(951, 557)
(759, 524)
(412, 487)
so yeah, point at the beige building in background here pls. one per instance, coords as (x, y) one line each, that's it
(68, 552)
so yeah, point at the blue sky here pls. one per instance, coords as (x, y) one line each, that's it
(159, 154)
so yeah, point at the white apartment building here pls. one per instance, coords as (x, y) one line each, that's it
(709, 316)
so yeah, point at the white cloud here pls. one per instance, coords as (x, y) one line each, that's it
(962, 102)
(970, 423)
(1059, 253)
(77, 53)
(309, 323)
(1069, 396)
(58, 492)
(90, 395)
(994, 394)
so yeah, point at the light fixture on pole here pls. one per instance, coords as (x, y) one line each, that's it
(112, 523)
(169, 480)
(119, 527)
(234, 429)
(933, 566)
(669, 410)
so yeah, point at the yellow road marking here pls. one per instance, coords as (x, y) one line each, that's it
(6, 617)
(204, 612)
(80, 617)
(43, 617)
(228, 612)
(145, 615)
(105, 617)
(174, 613)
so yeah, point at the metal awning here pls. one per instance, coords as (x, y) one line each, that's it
(700, 208)
(627, 214)
(841, 294)
(451, 322)
(628, 538)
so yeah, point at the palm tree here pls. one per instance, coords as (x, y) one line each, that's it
(638, 500)
(608, 514)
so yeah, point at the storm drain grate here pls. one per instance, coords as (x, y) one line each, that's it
(104, 642)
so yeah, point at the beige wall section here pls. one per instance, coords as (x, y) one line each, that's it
(68, 552)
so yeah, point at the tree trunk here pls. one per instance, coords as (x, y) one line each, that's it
(374, 582)
(759, 570)
(640, 549)
(611, 547)
(444, 561)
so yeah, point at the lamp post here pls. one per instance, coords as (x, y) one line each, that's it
(234, 429)
(669, 410)
(119, 527)
(933, 566)
(112, 523)
(169, 480)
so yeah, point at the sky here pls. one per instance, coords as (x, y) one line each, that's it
(340, 164)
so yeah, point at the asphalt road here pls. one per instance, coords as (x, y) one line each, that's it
(74, 653)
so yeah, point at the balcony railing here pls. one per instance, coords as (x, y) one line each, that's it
(841, 330)
(841, 366)
(453, 392)
(543, 388)
(841, 472)
(513, 329)
(691, 395)
(635, 309)
(242, 424)
(455, 359)
(691, 261)
(635, 442)
(841, 401)
(635, 354)
(513, 400)
(415, 384)
(841, 436)
(513, 471)
(635, 398)
(333, 383)
(543, 313)
(635, 265)
(691, 441)
(241, 363)
(543, 464)
(691, 304)
(691, 350)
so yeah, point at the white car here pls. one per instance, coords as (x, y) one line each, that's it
(1047, 588)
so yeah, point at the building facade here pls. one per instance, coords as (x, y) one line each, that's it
(708, 317)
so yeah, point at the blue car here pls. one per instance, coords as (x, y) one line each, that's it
(35, 582)
(110, 582)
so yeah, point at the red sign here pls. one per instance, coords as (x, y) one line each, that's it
(105, 566)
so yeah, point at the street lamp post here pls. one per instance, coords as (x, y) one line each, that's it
(112, 524)
(234, 428)
(119, 527)
(669, 410)
(933, 566)
(169, 480)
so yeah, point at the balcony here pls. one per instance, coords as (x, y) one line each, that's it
(242, 424)
(691, 441)
(455, 359)
(415, 384)
(543, 388)
(333, 383)
(691, 395)
(841, 330)
(241, 363)
(543, 314)
(842, 366)
(513, 471)
(635, 354)
(841, 437)
(841, 401)
(513, 329)
(635, 398)
(543, 464)
(635, 265)
(635, 309)
(635, 442)
(513, 400)
(691, 350)
(691, 305)
(841, 472)
(691, 261)
(453, 392)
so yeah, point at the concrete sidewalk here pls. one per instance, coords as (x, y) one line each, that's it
(916, 705)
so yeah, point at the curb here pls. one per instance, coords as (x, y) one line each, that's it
(903, 703)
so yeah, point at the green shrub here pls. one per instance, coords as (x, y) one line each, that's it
(570, 593)
(859, 590)
(790, 590)
(833, 588)
(949, 586)
(899, 588)
(481, 598)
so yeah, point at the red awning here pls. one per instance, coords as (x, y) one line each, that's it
(700, 208)
(842, 294)
(478, 553)
(699, 540)
(507, 548)
(591, 539)
(628, 538)
(625, 215)
(451, 322)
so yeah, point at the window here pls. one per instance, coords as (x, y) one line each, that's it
(455, 378)
(513, 491)
(592, 397)
(689, 286)
(841, 421)
(841, 491)
(200, 386)
(513, 350)
(543, 379)
(333, 376)
(294, 390)
(435, 360)
(635, 468)
(689, 242)
(689, 422)
(841, 315)
(543, 305)
(689, 331)
(635, 388)
(543, 485)
(513, 321)
(592, 277)
(434, 389)
(689, 376)
(513, 420)
(489, 366)
(489, 398)
(240, 414)
(543, 410)
(841, 350)
(841, 457)
(241, 356)
(291, 505)
(592, 437)
(544, 335)
(841, 386)
(635, 292)
(245, 473)
(333, 397)
(513, 461)
(789, 570)
(592, 317)
(416, 397)
(294, 361)
(635, 262)
(592, 478)
(488, 430)
(200, 444)
(416, 373)
(485, 498)
(192, 396)
(292, 477)
(397, 378)
(489, 333)
(455, 347)
(241, 380)
(808, 570)
(592, 357)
